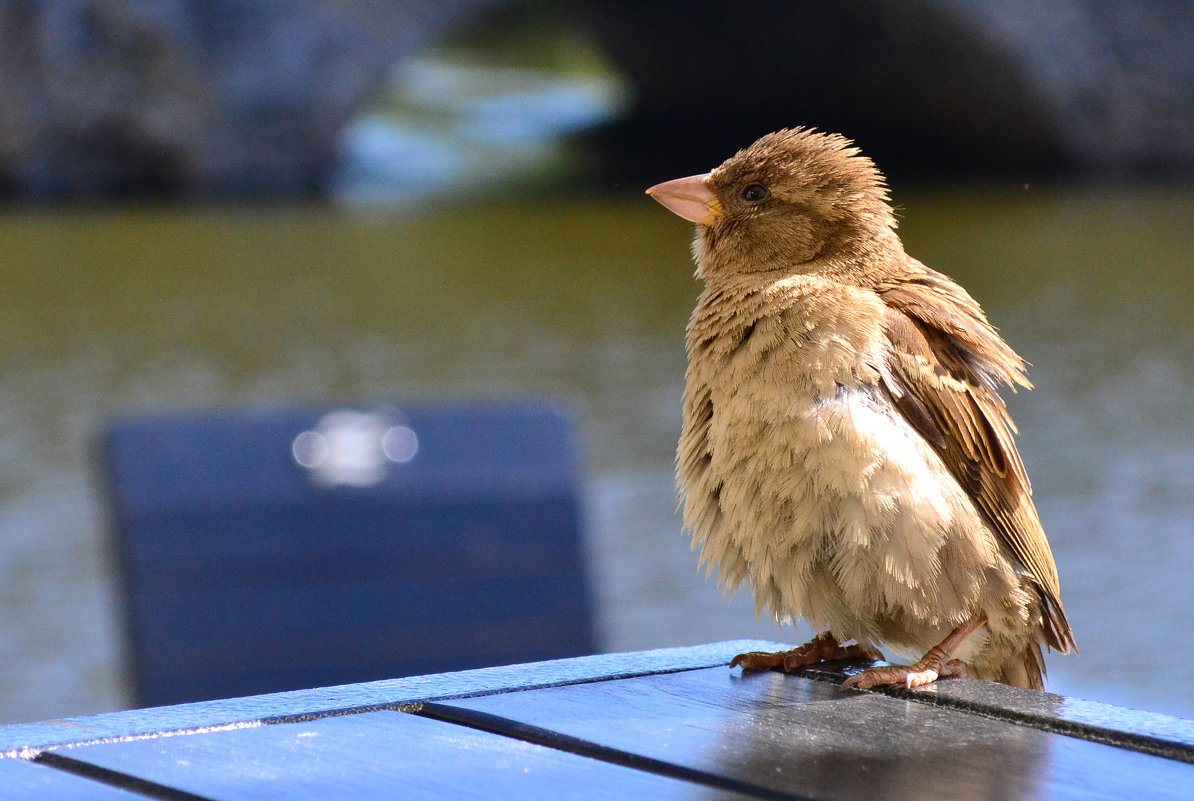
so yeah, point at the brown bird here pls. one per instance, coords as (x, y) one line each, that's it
(844, 450)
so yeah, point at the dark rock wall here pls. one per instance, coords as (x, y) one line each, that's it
(943, 87)
(193, 97)
(216, 98)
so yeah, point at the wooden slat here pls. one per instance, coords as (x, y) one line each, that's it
(795, 735)
(1149, 732)
(1044, 710)
(26, 781)
(371, 695)
(374, 755)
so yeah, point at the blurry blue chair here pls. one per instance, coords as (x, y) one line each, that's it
(277, 551)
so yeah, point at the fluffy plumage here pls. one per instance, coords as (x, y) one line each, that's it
(844, 452)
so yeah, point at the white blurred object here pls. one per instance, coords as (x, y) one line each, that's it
(353, 448)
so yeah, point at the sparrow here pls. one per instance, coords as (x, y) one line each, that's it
(844, 451)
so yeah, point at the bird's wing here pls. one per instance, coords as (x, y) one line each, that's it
(943, 366)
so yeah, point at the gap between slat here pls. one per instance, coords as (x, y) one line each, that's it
(525, 732)
(114, 778)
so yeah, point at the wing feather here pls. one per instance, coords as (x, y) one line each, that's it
(943, 367)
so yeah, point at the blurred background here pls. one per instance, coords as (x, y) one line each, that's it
(230, 204)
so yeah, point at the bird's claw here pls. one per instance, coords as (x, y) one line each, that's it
(758, 660)
(822, 648)
(916, 675)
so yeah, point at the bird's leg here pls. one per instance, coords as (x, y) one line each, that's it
(822, 648)
(936, 663)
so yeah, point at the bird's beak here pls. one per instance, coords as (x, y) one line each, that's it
(689, 197)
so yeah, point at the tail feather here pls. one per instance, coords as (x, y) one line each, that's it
(1058, 634)
(1026, 669)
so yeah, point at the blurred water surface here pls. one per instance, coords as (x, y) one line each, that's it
(166, 308)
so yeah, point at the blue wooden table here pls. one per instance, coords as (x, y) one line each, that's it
(673, 723)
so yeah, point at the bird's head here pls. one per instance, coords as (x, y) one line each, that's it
(793, 200)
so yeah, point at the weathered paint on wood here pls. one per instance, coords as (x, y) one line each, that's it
(789, 734)
(370, 695)
(675, 723)
(376, 755)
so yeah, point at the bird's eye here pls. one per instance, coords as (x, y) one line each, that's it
(753, 193)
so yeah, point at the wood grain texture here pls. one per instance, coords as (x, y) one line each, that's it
(794, 735)
(376, 755)
(370, 695)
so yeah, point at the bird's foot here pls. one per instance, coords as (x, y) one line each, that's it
(912, 676)
(822, 648)
(937, 663)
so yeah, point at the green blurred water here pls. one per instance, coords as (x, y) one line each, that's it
(108, 311)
